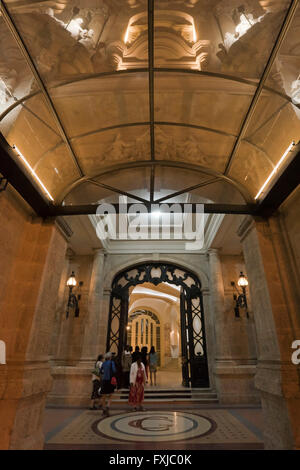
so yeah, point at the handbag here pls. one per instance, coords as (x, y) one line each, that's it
(113, 379)
(96, 371)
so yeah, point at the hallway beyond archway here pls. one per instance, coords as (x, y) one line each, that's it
(193, 344)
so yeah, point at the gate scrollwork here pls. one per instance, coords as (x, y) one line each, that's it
(194, 357)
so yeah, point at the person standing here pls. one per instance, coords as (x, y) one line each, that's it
(126, 364)
(145, 359)
(96, 381)
(137, 384)
(108, 371)
(153, 364)
(135, 353)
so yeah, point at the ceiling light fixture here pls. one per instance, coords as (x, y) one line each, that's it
(32, 171)
(289, 149)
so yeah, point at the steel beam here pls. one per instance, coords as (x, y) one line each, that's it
(151, 74)
(284, 186)
(20, 181)
(146, 208)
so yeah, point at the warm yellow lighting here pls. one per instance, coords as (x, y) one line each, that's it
(243, 281)
(126, 34)
(71, 282)
(127, 327)
(194, 32)
(275, 169)
(33, 172)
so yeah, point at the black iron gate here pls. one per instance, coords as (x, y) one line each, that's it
(193, 346)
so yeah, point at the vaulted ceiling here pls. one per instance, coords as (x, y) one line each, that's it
(180, 100)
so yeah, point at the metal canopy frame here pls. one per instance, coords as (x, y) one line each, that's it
(30, 191)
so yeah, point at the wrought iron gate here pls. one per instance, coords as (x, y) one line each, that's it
(193, 345)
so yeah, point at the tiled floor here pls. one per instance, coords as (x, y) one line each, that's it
(159, 427)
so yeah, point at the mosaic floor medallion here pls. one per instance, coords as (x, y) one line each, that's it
(154, 426)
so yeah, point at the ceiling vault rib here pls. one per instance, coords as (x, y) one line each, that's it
(159, 163)
(18, 102)
(10, 23)
(40, 119)
(278, 111)
(90, 76)
(280, 38)
(204, 73)
(116, 190)
(186, 190)
(147, 123)
(109, 128)
(151, 75)
(194, 126)
(152, 182)
(221, 76)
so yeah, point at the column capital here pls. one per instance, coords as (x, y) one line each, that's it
(244, 228)
(99, 251)
(213, 251)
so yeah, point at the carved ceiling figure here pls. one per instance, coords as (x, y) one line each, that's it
(119, 149)
(102, 62)
(165, 144)
(15, 79)
(193, 152)
(56, 52)
(254, 43)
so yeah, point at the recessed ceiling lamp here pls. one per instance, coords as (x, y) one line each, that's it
(275, 170)
(32, 172)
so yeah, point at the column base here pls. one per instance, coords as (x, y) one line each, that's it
(280, 403)
(72, 386)
(235, 383)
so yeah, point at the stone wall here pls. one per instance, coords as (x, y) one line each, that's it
(235, 349)
(32, 253)
(277, 323)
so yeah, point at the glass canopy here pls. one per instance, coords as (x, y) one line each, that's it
(151, 100)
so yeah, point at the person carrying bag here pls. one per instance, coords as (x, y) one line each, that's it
(96, 380)
(109, 382)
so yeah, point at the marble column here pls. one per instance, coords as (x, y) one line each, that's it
(72, 377)
(209, 336)
(217, 301)
(277, 325)
(91, 341)
(26, 321)
(234, 366)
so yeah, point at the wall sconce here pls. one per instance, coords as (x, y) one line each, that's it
(73, 300)
(241, 298)
(3, 184)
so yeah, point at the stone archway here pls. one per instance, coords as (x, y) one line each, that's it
(194, 367)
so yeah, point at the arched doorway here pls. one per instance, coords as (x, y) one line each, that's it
(193, 344)
(144, 328)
